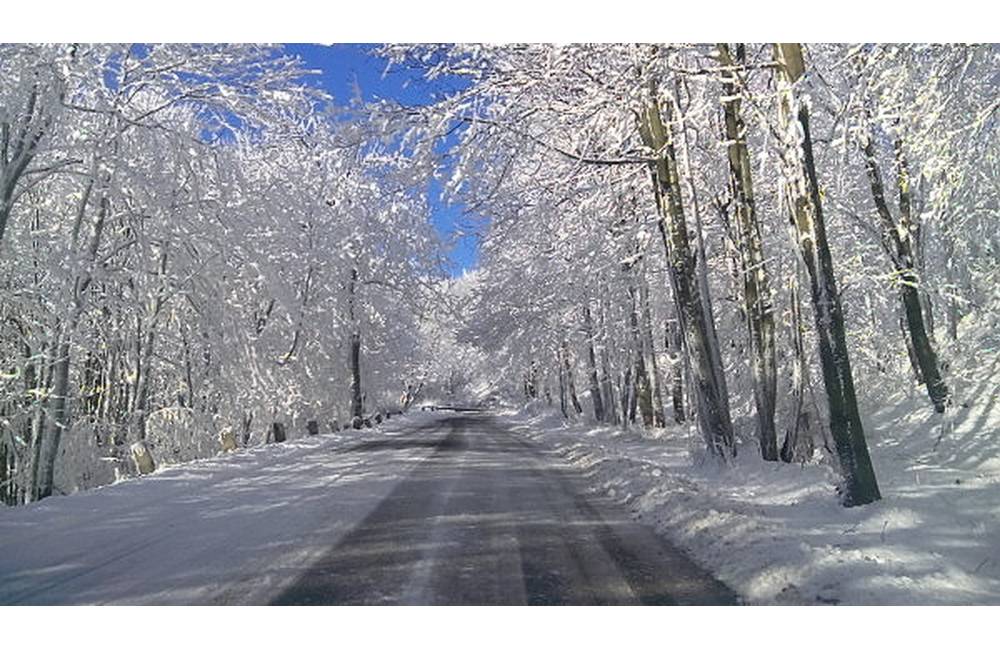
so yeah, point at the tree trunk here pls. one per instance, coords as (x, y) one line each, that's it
(140, 405)
(800, 374)
(698, 329)
(595, 384)
(953, 309)
(627, 394)
(930, 370)
(643, 389)
(757, 300)
(58, 417)
(19, 151)
(897, 240)
(38, 426)
(701, 265)
(570, 383)
(652, 367)
(354, 358)
(802, 192)
(911, 353)
(562, 385)
(6, 205)
(607, 381)
(8, 472)
(42, 385)
(608, 388)
(672, 341)
(59, 411)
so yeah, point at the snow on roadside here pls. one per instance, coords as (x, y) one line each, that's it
(230, 529)
(776, 533)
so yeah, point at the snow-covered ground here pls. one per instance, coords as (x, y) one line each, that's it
(775, 532)
(238, 527)
(230, 529)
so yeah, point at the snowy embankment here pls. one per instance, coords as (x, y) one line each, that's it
(230, 529)
(775, 532)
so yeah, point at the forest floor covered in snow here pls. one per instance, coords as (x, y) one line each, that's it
(776, 533)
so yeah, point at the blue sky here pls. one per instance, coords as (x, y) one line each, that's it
(343, 66)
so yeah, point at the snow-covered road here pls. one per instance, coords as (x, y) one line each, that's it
(232, 529)
(435, 508)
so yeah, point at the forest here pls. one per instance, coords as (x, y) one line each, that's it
(757, 243)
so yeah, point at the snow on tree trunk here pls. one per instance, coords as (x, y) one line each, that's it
(802, 193)
(898, 242)
(757, 302)
(698, 329)
(21, 139)
(58, 420)
(60, 411)
(798, 440)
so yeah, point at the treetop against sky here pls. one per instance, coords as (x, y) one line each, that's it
(350, 70)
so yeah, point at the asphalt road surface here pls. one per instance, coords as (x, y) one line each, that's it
(488, 518)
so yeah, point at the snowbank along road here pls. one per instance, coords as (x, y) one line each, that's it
(447, 509)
